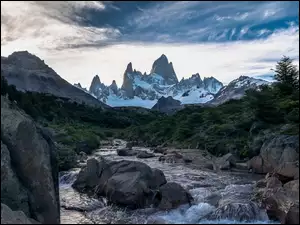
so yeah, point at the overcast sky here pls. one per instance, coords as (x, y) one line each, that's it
(221, 39)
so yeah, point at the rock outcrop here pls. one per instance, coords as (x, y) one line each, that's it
(278, 154)
(162, 67)
(29, 172)
(127, 86)
(280, 201)
(114, 87)
(125, 183)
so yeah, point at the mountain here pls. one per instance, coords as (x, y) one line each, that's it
(236, 89)
(167, 105)
(29, 73)
(143, 90)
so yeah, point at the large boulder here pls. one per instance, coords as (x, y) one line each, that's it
(225, 162)
(130, 184)
(125, 183)
(33, 160)
(279, 154)
(293, 188)
(13, 193)
(288, 170)
(280, 149)
(278, 200)
(172, 195)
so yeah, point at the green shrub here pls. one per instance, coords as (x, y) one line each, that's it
(67, 158)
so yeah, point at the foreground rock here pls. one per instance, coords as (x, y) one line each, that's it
(173, 195)
(226, 162)
(235, 204)
(14, 217)
(126, 183)
(126, 152)
(29, 171)
(280, 201)
(279, 154)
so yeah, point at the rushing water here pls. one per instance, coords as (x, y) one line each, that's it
(206, 187)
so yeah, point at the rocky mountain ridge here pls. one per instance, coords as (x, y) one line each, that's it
(29, 73)
(144, 90)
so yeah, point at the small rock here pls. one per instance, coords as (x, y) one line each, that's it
(144, 155)
(126, 152)
(129, 145)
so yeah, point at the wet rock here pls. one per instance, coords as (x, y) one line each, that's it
(173, 195)
(13, 192)
(258, 165)
(126, 183)
(126, 152)
(225, 165)
(158, 150)
(14, 217)
(261, 183)
(237, 211)
(292, 216)
(172, 157)
(273, 182)
(129, 145)
(213, 199)
(288, 170)
(187, 159)
(293, 188)
(82, 156)
(280, 149)
(144, 155)
(241, 166)
(209, 166)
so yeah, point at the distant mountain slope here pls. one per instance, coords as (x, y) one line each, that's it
(29, 73)
(236, 89)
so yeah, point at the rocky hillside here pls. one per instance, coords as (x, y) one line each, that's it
(236, 89)
(29, 172)
(29, 73)
(145, 89)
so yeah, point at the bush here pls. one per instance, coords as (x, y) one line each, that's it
(67, 158)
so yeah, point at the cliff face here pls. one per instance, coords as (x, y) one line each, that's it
(29, 172)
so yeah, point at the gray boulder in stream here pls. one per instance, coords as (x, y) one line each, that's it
(125, 183)
(173, 195)
(145, 155)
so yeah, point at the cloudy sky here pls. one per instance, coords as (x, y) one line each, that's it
(221, 39)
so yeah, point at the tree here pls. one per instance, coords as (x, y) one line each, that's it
(287, 73)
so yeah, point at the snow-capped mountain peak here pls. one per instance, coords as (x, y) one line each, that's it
(142, 89)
